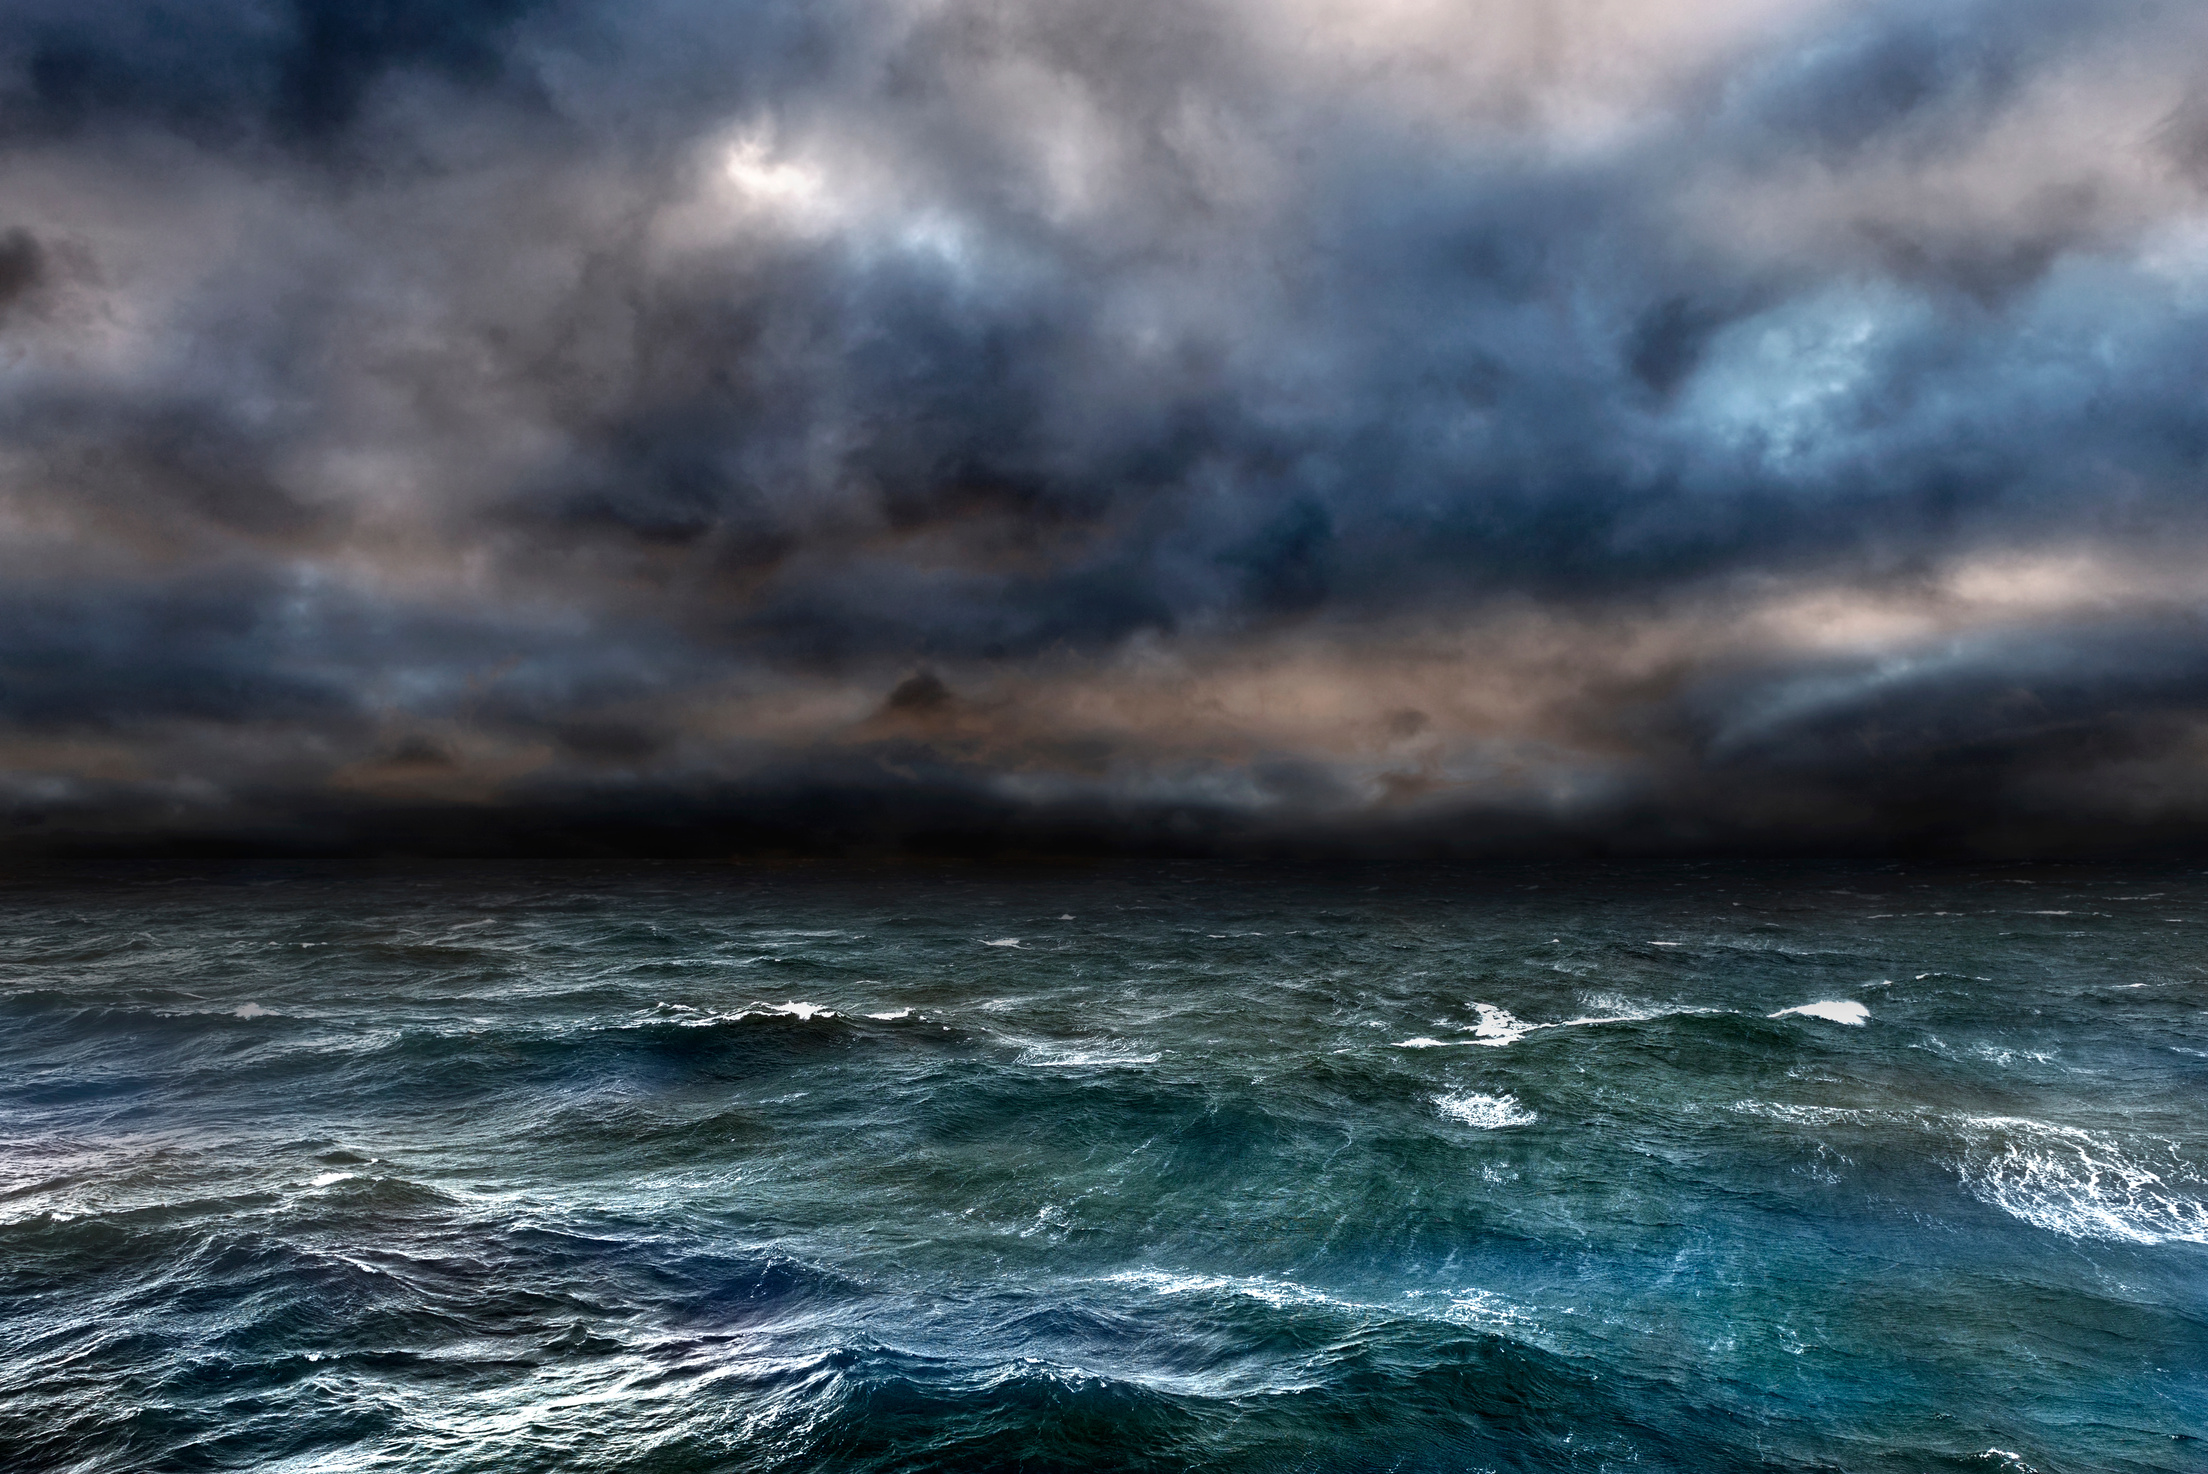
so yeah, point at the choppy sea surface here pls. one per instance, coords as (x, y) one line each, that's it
(1136, 1166)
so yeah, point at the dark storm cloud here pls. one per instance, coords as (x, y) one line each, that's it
(294, 71)
(111, 657)
(1772, 422)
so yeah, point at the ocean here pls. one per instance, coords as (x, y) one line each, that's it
(1124, 1166)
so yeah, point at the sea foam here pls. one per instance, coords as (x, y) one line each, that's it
(1253, 1287)
(2082, 1184)
(1835, 1010)
(1487, 1112)
(1085, 1054)
(1497, 1027)
(686, 1016)
(1462, 1306)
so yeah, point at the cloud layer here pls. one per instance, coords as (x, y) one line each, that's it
(1244, 424)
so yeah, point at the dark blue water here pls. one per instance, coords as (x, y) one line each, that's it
(1130, 1167)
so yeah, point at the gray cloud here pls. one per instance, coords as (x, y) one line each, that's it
(1305, 425)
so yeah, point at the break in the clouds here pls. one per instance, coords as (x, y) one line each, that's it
(1238, 423)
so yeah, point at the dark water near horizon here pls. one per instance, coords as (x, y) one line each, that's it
(1144, 1166)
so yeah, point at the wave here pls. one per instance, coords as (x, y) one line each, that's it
(1497, 1027)
(1086, 1054)
(683, 1015)
(2082, 1184)
(1800, 1115)
(1251, 1287)
(2068, 1180)
(1487, 1112)
(1461, 1306)
(1835, 1010)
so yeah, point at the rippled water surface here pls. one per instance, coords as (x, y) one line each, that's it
(1691, 1168)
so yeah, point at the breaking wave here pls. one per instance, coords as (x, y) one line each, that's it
(2083, 1184)
(1486, 1112)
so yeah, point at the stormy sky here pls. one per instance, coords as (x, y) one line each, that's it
(1246, 426)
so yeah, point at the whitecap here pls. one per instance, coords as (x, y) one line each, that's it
(805, 1012)
(1049, 1216)
(1472, 1307)
(2082, 1184)
(1003, 942)
(1618, 1009)
(1085, 1055)
(1833, 1010)
(1483, 1308)
(250, 1010)
(892, 1016)
(1799, 1115)
(2003, 1057)
(1254, 1287)
(1498, 1027)
(682, 1015)
(1487, 1112)
(685, 1016)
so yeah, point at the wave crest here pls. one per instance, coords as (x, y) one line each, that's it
(2083, 1184)
(1486, 1112)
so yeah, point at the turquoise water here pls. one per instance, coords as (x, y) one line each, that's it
(1136, 1166)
